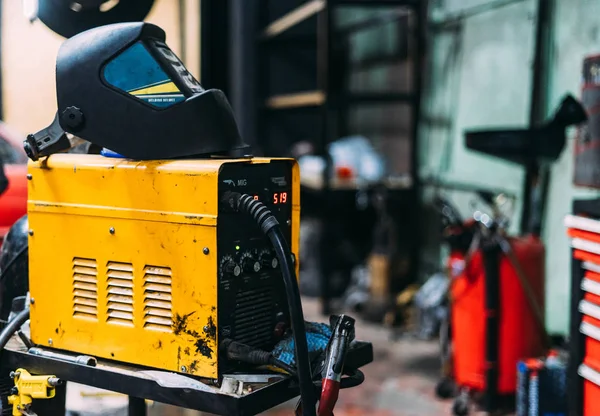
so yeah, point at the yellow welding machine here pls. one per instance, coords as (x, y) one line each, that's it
(142, 262)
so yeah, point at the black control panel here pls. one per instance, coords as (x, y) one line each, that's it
(252, 306)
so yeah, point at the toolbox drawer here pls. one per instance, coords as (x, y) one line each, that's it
(591, 390)
(590, 327)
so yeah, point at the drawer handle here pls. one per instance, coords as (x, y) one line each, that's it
(590, 309)
(585, 245)
(593, 267)
(591, 286)
(590, 330)
(589, 374)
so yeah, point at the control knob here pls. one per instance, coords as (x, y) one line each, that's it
(269, 261)
(250, 265)
(230, 268)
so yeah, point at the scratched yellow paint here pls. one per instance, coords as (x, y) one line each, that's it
(116, 260)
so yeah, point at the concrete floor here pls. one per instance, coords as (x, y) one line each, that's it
(399, 382)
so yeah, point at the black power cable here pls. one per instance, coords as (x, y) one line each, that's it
(13, 326)
(270, 227)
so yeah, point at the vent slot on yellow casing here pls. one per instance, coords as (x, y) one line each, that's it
(85, 288)
(119, 288)
(158, 314)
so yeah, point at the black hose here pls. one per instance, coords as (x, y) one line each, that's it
(285, 367)
(270, 227)
(355, 378)
(12, 261)
(13, 326)
(238, 351)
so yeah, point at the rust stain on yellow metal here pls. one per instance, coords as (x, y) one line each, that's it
(117, 267)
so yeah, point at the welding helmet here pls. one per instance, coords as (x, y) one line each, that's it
(121, 87)
(14, 266)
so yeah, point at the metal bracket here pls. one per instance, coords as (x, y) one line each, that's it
(47, 141)
(27, 388)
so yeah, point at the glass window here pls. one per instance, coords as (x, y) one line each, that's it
(136, 72)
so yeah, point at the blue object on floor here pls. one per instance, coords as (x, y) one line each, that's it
(317, 336)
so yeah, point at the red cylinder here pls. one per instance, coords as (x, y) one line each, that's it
(519, 334)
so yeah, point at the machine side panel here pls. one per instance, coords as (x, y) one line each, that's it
(123, 262)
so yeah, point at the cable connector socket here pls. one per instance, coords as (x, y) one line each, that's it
(237, 202)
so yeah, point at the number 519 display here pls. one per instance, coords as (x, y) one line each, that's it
(278, 198)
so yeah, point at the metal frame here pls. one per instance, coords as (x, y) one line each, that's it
(534, 173)
(131, 381)
(334, 104)
(214, 44)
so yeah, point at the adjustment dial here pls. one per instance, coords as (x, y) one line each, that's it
(249, 263)
(229, 268)
(268, 259)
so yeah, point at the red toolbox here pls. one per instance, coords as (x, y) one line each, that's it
(584, 368)
(591, 390)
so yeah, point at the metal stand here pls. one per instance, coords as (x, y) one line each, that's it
(491, 259)
(259, 392)
(137, 407)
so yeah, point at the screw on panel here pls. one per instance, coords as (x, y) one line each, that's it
(50, 341)
(289, 222)
(30, 232)
(29, 176)
(205, 329)
(111, 230)
(32, 301)
(206, 250)
(183, 369)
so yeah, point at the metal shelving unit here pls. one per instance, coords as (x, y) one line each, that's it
(331, 101)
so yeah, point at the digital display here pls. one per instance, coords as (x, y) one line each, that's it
(280, 197)
(277, 198)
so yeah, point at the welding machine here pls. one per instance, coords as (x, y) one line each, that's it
(173, 251)
(151, 265)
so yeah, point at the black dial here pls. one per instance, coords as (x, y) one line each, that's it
(250, 264)
(231, 269)
(268, 260)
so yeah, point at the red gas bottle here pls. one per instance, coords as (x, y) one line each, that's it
(517, 336)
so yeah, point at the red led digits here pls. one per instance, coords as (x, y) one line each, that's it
(279, 198)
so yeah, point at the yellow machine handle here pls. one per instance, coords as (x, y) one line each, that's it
(27, 388)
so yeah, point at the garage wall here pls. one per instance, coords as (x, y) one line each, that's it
(479, 76)
(576, 33)
(29, 56)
